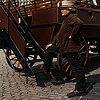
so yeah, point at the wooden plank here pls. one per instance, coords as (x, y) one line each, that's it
(39, 2)
(48, 16)
(12, 31)
(43, 35)
(20, 43)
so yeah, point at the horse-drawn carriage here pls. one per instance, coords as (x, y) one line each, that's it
(27, 26)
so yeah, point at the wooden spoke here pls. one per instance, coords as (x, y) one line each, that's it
(70, 72)
(14, 62)
(12, 58)
(66, 63)
(18, 64)
(67, 68)
(82, 47)
(83, 52)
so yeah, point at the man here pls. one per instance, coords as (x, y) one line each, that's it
(67, 41)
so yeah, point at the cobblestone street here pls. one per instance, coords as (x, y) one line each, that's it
(13, 84)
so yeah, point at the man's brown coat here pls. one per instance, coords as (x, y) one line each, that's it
(70, 26)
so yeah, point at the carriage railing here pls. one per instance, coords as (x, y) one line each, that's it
(27, 29)
(26, 7)
(31, 5)
(86, 4)
(11, 16)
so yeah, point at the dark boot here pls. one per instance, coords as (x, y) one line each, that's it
(76, 93)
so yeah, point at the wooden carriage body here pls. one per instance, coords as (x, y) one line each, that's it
(31, 26)
(47, 15)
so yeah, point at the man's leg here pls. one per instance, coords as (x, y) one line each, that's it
(77, 68)
(49, 54)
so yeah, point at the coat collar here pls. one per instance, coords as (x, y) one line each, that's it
(67, 14)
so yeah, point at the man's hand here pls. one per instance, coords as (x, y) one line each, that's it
(48, 46)
(70, 37)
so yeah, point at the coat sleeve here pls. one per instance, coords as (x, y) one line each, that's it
(76, 24)
(54, 41)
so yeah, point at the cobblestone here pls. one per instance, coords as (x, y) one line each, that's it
(13, 84)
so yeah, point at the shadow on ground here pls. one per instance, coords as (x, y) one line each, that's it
(56, 79)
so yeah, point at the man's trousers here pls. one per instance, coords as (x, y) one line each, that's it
(75, 63)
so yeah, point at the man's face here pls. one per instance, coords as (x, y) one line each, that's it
(64, 12)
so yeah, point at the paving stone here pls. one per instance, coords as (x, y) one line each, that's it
(7, 99)
(13, 85)
(45, 99)
(90, 99)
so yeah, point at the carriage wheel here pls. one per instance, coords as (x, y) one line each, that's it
(64, 66)
(13, 61)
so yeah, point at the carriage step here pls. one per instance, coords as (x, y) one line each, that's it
(30, 41)
(32, 51)
(33, 61)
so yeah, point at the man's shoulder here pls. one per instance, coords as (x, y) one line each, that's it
(74, 17)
